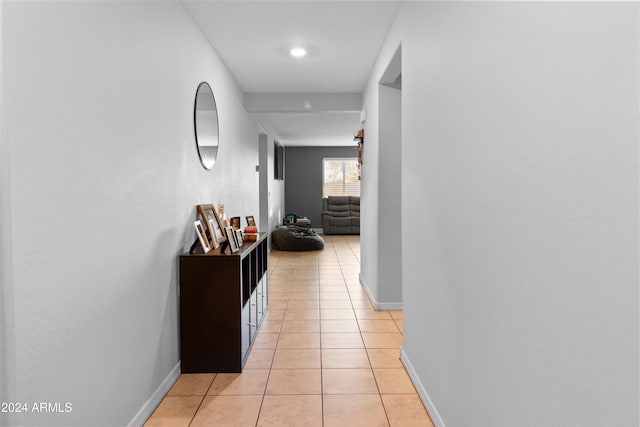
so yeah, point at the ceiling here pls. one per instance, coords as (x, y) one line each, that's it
(309, 101)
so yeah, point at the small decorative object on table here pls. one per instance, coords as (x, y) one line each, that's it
(250, 234)
(251, 222)
(223, 216)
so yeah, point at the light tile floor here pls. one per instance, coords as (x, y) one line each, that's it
(322, 357)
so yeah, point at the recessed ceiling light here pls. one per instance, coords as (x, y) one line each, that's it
(298, 52)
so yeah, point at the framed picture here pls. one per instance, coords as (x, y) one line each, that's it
(215, 241)
(231, 239)
(235, 222)
(207, 215)
(251, 222)
(202, 236)
(239, 238)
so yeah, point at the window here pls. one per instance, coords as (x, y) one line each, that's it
(340, 177)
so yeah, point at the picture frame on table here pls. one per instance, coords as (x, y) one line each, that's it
(235, 222)
(202, 236)
(231, 239)
(208, 215)
(239, 237)
(215, 241)
(251, 222)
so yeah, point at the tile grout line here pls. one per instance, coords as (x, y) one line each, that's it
(202, 400)
(321, 367)
(370, 364)
(266, 384)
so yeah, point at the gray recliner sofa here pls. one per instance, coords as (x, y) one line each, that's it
(341, 215)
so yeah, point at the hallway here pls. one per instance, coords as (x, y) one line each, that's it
(323, 356)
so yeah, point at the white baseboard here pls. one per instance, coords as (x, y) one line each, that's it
(422, 392)
(374, 302)
(363, 282)
(389, 306)
(155, 399)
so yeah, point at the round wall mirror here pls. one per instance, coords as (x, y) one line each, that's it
(205, 121)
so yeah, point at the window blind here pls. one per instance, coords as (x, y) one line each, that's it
(340, 177)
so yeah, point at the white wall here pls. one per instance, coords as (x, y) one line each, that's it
(380, 241)
(103, 181)
(6, 283)
(389, 294)
(369, 185)
(520, 156)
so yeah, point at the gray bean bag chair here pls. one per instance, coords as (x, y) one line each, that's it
(295, 238)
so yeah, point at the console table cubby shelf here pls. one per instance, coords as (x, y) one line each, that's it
(223, 299)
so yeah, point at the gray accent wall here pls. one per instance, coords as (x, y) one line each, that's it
(303, 178)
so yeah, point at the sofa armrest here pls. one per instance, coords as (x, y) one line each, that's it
(324, 218)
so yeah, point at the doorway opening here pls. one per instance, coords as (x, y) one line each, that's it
(390, 186)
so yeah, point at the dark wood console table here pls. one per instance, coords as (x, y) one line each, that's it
(223, 299)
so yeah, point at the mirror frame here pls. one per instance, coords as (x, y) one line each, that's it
(204, 161)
